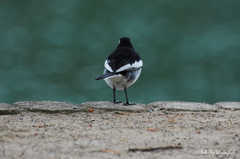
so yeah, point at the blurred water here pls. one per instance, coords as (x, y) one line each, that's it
(53, 50)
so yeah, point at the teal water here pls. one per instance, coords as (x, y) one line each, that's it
(53, 50)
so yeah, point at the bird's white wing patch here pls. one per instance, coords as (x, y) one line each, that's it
(125, 67)
(107, 66)
(135, 65)
(118, 77)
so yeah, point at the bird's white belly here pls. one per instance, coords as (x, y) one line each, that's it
(117, 82)
(120, 82)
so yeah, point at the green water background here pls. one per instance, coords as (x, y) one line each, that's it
(53, 50)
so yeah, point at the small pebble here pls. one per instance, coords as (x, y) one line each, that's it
(150, 110)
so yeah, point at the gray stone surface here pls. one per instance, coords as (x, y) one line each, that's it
(49, 106)
(183, 106)
(48, 129)
(8, 109)
(109, 106)
(228, 105)
(107, 134)
(62, 107)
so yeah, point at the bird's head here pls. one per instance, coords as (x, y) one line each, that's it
(125, 41)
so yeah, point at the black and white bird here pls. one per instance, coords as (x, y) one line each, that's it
(122, 67)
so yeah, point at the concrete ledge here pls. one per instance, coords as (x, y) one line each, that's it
(228, 105)
(109, 106)
(46, 129)
(48, 107)
(183, 106)
(8, 109)
(63, 107)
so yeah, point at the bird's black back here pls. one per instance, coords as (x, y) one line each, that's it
(123, 54)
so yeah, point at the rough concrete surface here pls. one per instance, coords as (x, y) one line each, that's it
(105, 130)
(184, 106)
(228, 105)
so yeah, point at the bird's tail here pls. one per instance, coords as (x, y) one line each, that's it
(105, 76)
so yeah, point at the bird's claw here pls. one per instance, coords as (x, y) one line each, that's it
(116, 101)
(129, 103)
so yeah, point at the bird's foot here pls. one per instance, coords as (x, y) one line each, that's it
(116, 101)
(129, 103)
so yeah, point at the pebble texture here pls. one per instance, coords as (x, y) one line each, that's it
(184, 106)
(9, 109)
(62, 107)
(49, 107)
(104, 130)
(109, 106)
(228, 105)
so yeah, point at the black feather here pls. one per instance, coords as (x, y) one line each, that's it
(105, 76)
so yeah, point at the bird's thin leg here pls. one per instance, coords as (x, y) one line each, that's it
(127, 103)
(114, 97)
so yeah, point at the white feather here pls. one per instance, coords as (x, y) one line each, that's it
(115, 77)
(107, 66)
(135, 65)
(125, 67)
(121, 82)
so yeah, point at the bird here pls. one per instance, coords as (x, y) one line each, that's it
(122, 68)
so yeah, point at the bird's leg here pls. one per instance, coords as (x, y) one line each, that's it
(114, 99)
(127, 103)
